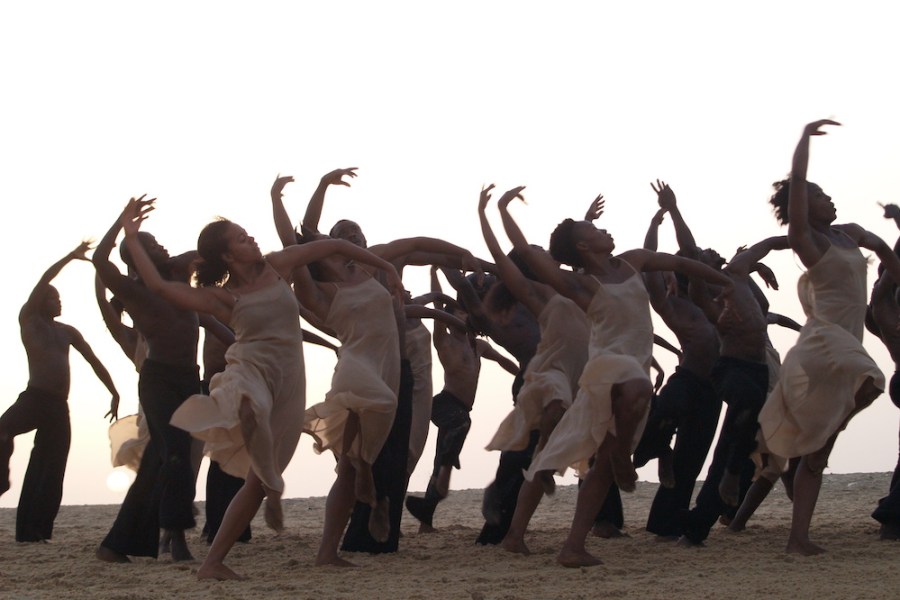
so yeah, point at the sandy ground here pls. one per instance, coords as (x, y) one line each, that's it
(448, 565)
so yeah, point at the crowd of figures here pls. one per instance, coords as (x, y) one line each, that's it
(575, 320)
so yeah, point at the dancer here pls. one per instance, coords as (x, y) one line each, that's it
(162, 494)
(688, 403)
(827, 377)
(460, 354)
(251, 419)
(43, 407)
(551, 380)
(608, 413)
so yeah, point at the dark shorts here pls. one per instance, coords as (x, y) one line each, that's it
(451, 417)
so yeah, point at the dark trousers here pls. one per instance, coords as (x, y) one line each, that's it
(389, 471)
(220, 489)
(689, 406)
(742, 385)
(48, 416)
(888, 511)
(162, 494)
(504, 490)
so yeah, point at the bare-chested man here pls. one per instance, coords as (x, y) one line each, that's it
(460, 354)
(688, 403)
(43, 405)
(741, 380)
(163, 492)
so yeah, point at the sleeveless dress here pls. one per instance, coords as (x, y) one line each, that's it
(620, 349)
(366, 377)
(265, 364)
(551, 375)
(821, 374)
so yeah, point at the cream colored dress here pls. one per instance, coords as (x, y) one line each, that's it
(367, 375)
(821, 374)
(265, 365)
(418, 351)
(129, 436)
(620, 349)
(551, 375)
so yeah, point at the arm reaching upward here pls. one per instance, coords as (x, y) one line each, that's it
(666, 198)
(279, 214)
(36, 299)
(317, 201)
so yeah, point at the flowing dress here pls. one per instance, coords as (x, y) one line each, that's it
(265, 365)
(620, 350)
(551, 375)
(367, 374)
(418, 351)
(821, 374)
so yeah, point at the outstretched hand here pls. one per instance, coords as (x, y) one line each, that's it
(278, 186)
(80, 253)
(135, 212)
(767, 275)
(511, 195)
(113, 413)
(595, 209)
(336, 177)
(891, 211)
(485, 196)
(814, 127)
(664, 195)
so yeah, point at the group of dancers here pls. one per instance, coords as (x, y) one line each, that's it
(575, 320)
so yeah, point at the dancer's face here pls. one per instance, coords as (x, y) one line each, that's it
(156, 251)
(821, 208)
(241, 246)
(350, 231)
(52, 303)
(593, 239)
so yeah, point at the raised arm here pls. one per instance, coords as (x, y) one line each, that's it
(801, 235)
(521, 288)
(279, 213)
(79, 343)
(209, 300)
(35, 301)
(665, 196)
(747, 261)
(651, 239)
(125, 336)
(317, 201)
(543, 266)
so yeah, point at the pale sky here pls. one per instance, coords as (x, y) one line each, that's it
(202, 104)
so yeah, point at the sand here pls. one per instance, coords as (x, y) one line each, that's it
(448, 564)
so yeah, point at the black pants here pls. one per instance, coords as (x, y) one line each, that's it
(162, 494)
(48, 416)
(389, 471)
(888, 511)
(742, 385)
(504, 490)
(689, 406)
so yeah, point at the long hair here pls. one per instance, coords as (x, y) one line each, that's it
(211, 269)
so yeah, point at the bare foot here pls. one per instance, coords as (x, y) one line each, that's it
(111, 556)
(426, 528)
(548, 483)
(577, 558)
(380, 520)
(666, 469)
(623, 471)
(334, 561)
(219, 572)
(606, 530)
(515, 546)
(273, 512)
(806, 548)
(730, 488)
(180, 551)
(364, 483)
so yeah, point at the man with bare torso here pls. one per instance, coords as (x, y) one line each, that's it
(163, 492)
(43, 405)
